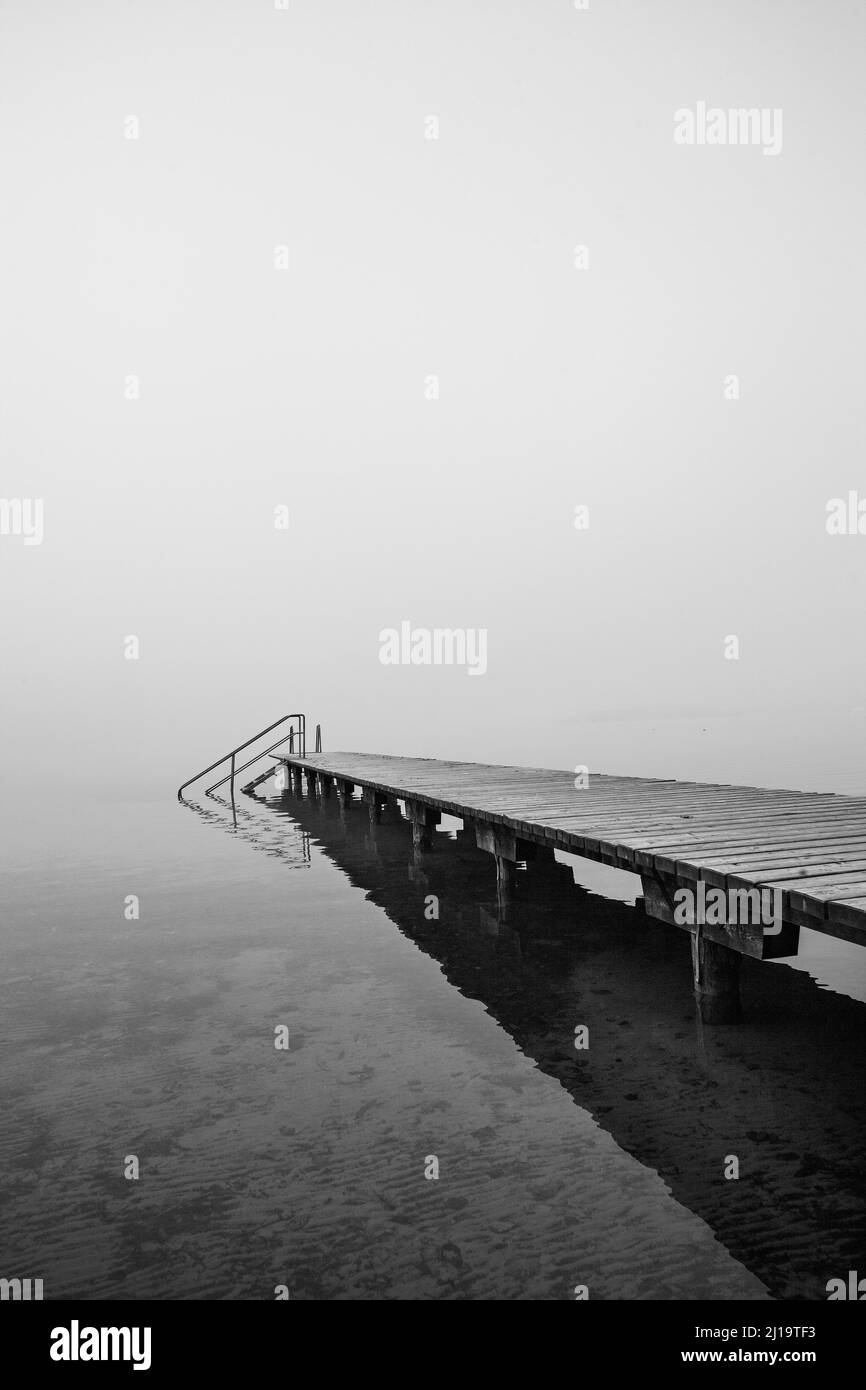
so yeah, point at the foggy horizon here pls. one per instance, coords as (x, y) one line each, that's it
(411, 257)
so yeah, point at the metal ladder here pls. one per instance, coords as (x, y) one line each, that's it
(250, 787)
(231, 756)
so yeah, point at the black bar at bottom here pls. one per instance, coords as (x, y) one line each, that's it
(297, 1338)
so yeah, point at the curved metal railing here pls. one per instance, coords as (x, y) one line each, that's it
(233, 752)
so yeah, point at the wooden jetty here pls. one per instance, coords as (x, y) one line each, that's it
(811, 847)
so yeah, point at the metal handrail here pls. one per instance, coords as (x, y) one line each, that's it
(232, 754)
(288, 738)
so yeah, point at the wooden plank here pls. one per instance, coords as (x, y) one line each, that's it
(812, 896)
(675, 848)
(809, 862)
(721, 824)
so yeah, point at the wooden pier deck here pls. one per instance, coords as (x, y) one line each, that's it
(811, 846)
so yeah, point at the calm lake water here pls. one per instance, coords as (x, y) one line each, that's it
(409, 1039)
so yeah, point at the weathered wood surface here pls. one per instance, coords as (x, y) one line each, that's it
(812, 846)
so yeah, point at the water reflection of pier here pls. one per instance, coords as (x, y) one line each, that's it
(782, 1093)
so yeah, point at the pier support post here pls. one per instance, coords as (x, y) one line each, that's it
(506, 849)
(715, 967)
(506, 870)
(344, 796)
(424, 821)
(422, 834)
(374, 802)
(716, 972)
(324, 785)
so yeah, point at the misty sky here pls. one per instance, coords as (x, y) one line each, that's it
(411, 257)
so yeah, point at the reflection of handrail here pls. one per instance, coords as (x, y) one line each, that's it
(302, 742)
